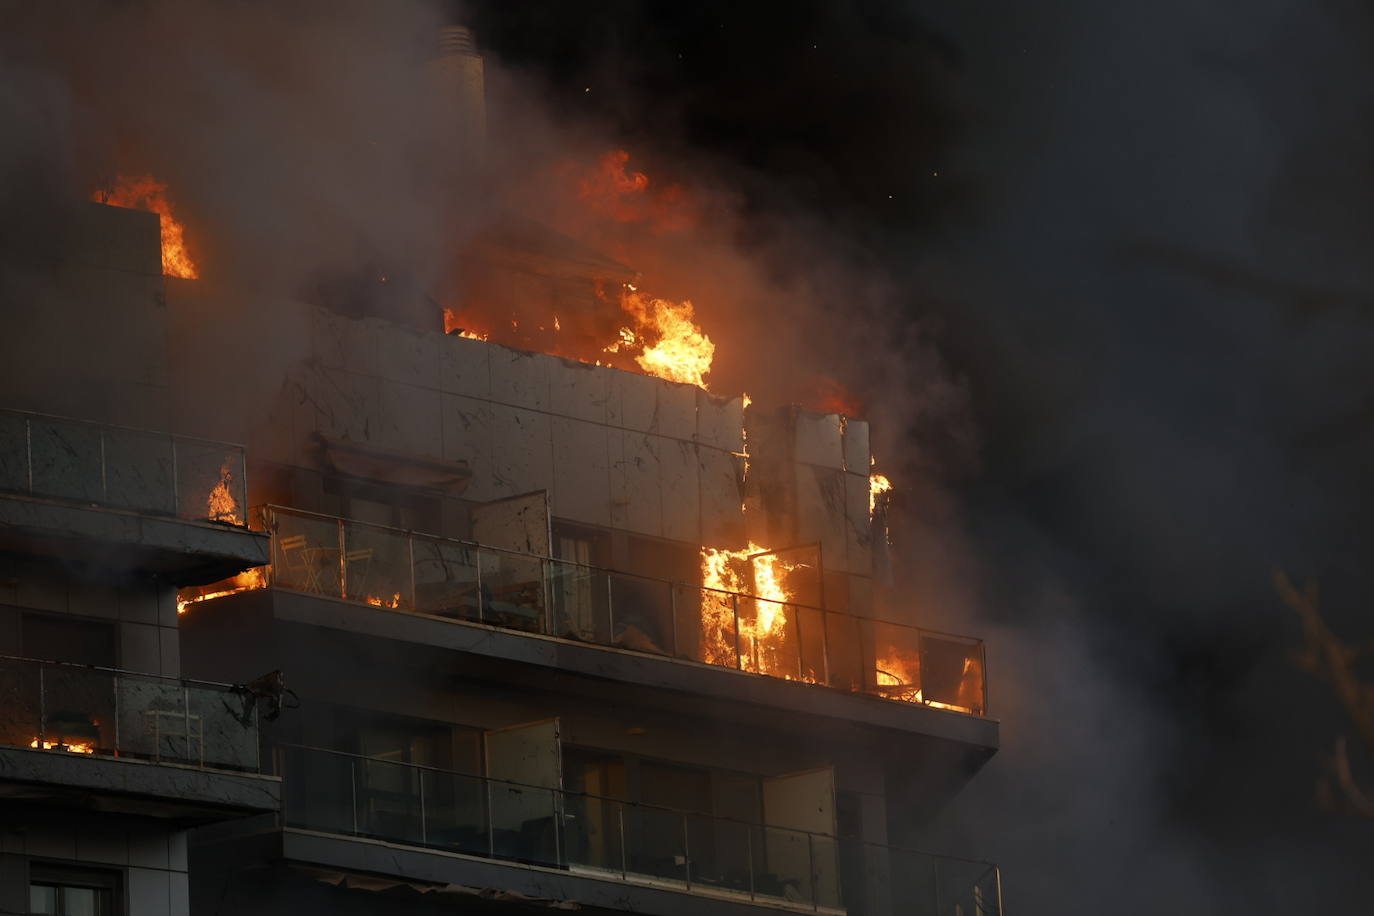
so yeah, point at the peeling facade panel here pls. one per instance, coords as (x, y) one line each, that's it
(720, 422)
(676, 413)
(818, 439)
(632, 402)
(467, 434)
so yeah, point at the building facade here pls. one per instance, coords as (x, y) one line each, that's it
(463, 628)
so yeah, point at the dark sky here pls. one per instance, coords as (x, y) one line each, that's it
(1138, 235)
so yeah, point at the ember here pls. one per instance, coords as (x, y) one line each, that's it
(147, 194)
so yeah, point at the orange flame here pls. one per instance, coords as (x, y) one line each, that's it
(245, 581)
(762, 639)
(60, 746)
(878, 488)
(453, 323)
(378, 602)
(672, 345)
(898, 676)
(145, 193)
(221, 504)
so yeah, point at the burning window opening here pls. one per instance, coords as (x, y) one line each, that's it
(146, 193)
(879, 490)
(763, 640)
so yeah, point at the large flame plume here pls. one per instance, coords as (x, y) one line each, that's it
(762, 642)
(672, 346)
(146, 193)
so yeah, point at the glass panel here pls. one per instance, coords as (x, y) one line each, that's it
(456, 812)
(14, 453)
(445, 579)
(689, 622)
(80, 901)
(825, 870)
(42, 899)
(643, 614)
(209, 482)
(843, 652)
(389, 801)
(896, 655)
(138, 471)
(524, 823)
(78, 710)
(66, 460)
(592, 832)
(952, 672)
(768, 643)
(226, 728)
(19, 703)
(580, 596)
(656, 843)
(512, 591)
(376, 566)
(153, 721)
(720, 640)
(810, 629)
(305, 554)
(318, 790)
(788, 872)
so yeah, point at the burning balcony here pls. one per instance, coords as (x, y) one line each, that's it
(74, 734)
(585, 847)
(162, 503)
(465, 582)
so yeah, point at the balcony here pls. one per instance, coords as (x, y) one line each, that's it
(83, 736)
(394, 570)
(166, 504)
(346, 811)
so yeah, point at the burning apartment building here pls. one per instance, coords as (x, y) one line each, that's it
(499, 609)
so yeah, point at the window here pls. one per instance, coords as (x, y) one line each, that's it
(61, 891)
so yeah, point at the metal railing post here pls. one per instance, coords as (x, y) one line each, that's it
(243, 484)
(610, 612)
(749, 850)
(186, 719)
(42, 709)
(491, 834)
(620, 816)
(343, 563)
(811, 871)
(556, 803)
(104, 477)
(424, 832)
(739, 655)
(686, 855)
(176, 480)
(801, 646)
(672, 614)
(118, 683)
(353, 791)
(28, 450)
(414, 600)
(481, 600)
(997, 877)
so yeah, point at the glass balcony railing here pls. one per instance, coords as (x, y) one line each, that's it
(122, 468)
(613, 840)
(390, 568)
(78, 709)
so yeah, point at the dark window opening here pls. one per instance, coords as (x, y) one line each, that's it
(63, 891)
